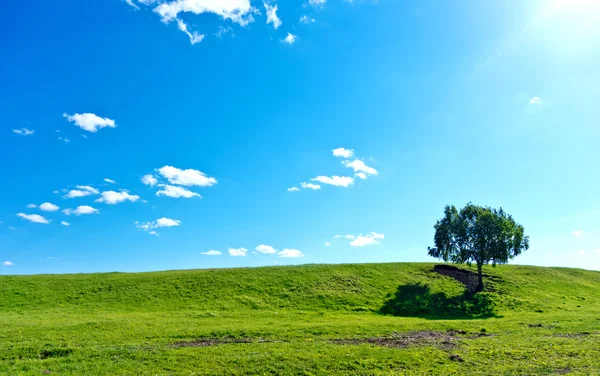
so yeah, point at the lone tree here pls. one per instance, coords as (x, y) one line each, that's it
(478, 235)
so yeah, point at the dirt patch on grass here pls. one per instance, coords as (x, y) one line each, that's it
(205, 342)
(442, 340)
(573, 335)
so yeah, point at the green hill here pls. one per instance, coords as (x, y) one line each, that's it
(313, 319)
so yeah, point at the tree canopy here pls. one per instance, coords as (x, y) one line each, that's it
(478, 235)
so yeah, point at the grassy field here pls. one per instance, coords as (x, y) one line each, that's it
(366, 319)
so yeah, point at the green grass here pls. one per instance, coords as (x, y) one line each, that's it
(310, 320)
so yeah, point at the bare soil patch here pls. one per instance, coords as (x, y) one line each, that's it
(443, 340)
(205, 342)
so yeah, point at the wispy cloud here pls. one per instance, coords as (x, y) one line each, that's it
(34, 218)
(338, 181)
(293, 189)
(290, 39)
(212, 252)
(237, 251)
(290, 253)
(194, 36)
(272, 15)
(536, 100)
(176, 192)
(81, 210)
(266, 249)
(112, 197)
(317, 2)
(360, 167)
(189, 177)
(82, 191)
(238, 11)
(7, 263)
(327, 244)
(368, 239)
(65, 223)
(577, 232)
(306, 185)
(90, 122)
(31, 206)
(110, 181)
(342, 152)
(307, 20)
(149, 180)
(161, 222)
(24, 131)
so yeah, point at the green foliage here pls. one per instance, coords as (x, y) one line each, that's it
(479, 235)
(285, 320)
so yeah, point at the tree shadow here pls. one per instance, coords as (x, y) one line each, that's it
(417, 300)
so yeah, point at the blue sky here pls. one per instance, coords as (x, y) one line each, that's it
(202, 114)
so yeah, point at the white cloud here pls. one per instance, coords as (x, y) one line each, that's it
(195, 37)
(266, 249)
(66, 140)
(317, 2)
(167, 222)
(47, 206)
(368, 239)
(224, 31)
(90, 122)
(7, 263)
(577, 232)
(306, 20)
(581, 252)
(293, 189)
(153, 233)
(161, 222)
(237, 251)
(187, 177)
(130, 2)
(361, 175)
(65, 223)
(536, 100)
(112, 197)
(290, 253)
(35, 218)
(81, 210)
(290, 39)
(82, 191)
(24, 131)
(327, 244)
(212, 252)
(310, 185)
(238, 11)
(349, 236)
(110, 181)
(359, 166)
(344, 153)
(272, 15)
(31, 206)
(176, 192)
(337, 236)
(149, 180)
(338, 181)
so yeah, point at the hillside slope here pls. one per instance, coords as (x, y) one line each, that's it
(307, 287)
(310, 319)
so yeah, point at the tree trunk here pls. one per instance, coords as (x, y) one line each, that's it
(479, 278)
